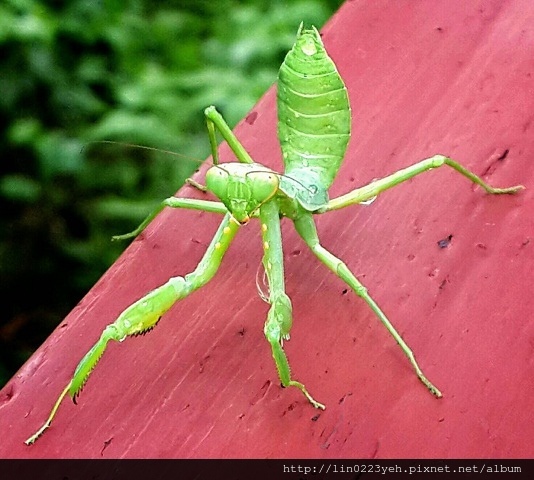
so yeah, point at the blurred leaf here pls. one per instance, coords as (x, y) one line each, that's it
(19, 188)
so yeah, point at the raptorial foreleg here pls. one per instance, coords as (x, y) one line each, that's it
(279, 318)
(144, 314)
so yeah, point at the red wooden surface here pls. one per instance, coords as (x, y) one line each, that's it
(447, 77)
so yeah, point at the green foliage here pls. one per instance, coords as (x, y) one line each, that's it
(77, 72)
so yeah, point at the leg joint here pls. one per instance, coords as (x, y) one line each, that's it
(279, 319)
(344, 272)
(438, 161)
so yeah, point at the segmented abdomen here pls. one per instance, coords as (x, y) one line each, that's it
(313, 112)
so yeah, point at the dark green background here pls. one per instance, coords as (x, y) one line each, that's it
(76, 72)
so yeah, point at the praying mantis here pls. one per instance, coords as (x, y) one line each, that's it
(314, 122)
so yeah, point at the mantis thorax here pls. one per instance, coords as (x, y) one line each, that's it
(243, 188)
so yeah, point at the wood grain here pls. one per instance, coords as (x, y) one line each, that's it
(448, 77)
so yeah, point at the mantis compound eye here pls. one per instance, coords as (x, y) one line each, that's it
(217, 181)
(263, 185)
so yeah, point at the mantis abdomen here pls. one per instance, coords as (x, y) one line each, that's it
(313, 113)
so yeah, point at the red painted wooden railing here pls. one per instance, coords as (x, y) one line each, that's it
(424, 78)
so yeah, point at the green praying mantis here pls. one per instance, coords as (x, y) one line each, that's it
(314, 121)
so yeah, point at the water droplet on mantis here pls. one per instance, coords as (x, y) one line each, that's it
(368, 202)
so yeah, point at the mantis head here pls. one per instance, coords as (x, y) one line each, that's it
(243, 188)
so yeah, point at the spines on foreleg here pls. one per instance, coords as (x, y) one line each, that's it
(138, 319)
(143, 315)
(86, 366)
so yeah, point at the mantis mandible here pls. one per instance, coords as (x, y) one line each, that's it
(314, 121)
